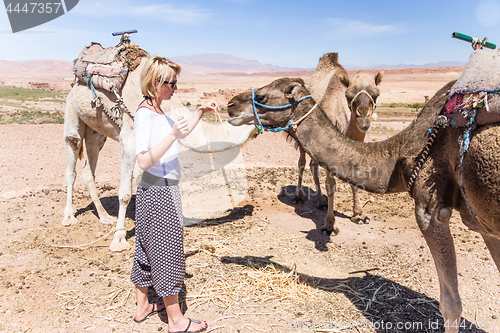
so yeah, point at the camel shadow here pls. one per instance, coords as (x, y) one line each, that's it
(309, 206)
(308, 210)
(112, 205)
(234, 214)
(383, 305)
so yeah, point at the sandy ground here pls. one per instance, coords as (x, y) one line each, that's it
(260, 265)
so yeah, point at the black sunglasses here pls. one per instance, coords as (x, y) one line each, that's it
(172, 84)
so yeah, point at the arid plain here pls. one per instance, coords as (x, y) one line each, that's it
(259, 266)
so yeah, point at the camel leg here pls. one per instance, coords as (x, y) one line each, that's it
(434, 224)
(493, 245)
(298, 197)
(329, 225)
(74, 131)
(320, 200)
(357, 210)
(93, 144)
(127, 142)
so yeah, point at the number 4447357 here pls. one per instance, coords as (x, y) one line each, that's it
(485, 324)
(34, 7)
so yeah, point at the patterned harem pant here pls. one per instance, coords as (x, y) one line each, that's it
(159, 259)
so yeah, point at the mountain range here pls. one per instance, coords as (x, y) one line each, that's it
(197, 64)
(222, 62)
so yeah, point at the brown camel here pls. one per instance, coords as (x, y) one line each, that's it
(349, 104)
(386, 166)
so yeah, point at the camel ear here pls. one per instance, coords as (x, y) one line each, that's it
(379, 77)
(292, 89)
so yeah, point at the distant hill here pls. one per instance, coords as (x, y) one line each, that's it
(429, 65)
(49, 69)
(221, 62)
(197, 64)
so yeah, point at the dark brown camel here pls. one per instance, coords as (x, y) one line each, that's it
(349, 103)
(386, 166)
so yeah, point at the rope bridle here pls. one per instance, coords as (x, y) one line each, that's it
(367, 94)
(291, 124)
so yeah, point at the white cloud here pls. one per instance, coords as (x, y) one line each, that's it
(345, 29)
(142, 10)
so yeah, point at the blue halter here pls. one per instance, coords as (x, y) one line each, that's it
(260, 127)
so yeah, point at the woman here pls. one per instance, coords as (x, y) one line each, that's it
(159, 259)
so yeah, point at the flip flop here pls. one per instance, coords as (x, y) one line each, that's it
(189, 325)
(153, 311)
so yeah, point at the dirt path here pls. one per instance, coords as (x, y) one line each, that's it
(260, 267)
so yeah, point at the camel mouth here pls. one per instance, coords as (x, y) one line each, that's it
(238, 117)
(364, 128)
(234, 121)
(238, 120)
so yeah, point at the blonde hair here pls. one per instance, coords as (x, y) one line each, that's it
(157, 69)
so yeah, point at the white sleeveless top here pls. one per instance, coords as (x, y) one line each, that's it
(149, 129)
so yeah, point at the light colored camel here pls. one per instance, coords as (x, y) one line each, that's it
(386, 167)
(82, 123)
(349, 104)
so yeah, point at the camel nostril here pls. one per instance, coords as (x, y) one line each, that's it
(230, 104)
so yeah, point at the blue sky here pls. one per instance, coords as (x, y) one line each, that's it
(284, 33)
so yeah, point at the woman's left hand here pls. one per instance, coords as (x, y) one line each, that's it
(210, 106)
(181, 128)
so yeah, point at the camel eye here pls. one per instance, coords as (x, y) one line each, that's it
(374, 93)
(260, 98)
(349, 95)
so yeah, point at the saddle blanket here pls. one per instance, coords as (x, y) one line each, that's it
(103, 66)
(477, 88)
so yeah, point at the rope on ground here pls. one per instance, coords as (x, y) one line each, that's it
(83, 245)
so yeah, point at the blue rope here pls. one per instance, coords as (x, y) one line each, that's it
(89, 81)
(464, 141)
(277, 129)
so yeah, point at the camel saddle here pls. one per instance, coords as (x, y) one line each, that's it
(477, 91)
(107, 68)
(102, 66)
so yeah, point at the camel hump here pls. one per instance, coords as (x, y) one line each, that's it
(328, 60)
(482, 73)
(476, 89)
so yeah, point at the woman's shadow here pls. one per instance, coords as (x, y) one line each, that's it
(383, 305)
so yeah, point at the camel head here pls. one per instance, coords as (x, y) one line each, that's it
(278, 93)
(362, 95)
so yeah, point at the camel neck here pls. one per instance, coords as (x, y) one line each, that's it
(380, 167)
(370, 166)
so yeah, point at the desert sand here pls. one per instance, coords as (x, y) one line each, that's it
(260, 266)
